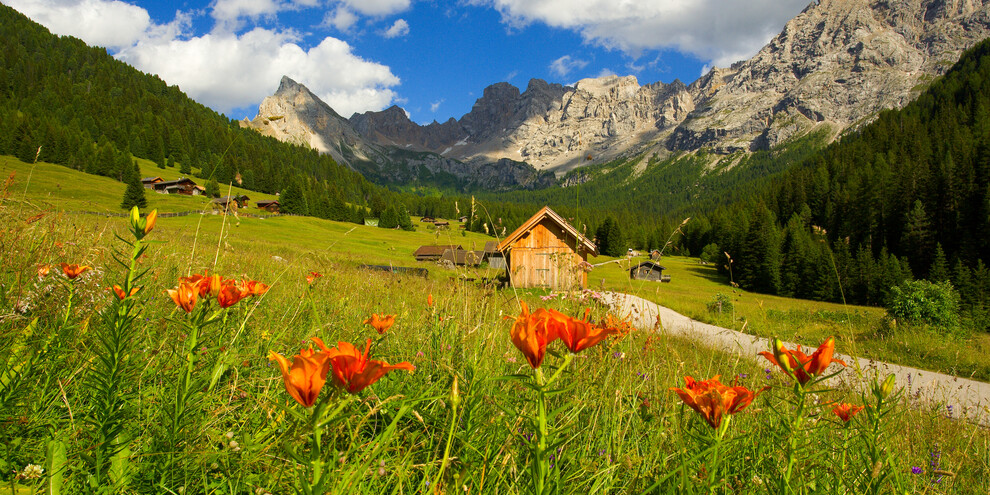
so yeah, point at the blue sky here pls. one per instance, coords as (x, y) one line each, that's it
(433, 58)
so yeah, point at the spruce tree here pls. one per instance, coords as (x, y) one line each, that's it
(212, 189)
(405, 223)
(134, 194)
(292, 199)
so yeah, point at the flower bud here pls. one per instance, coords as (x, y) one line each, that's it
(887, 387)
(455, 395)
(150, 221)
(782, 357)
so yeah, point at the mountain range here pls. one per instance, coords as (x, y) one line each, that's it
(833, 67)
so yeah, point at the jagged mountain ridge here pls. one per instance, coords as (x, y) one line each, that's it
(835, 65)
(294, 114)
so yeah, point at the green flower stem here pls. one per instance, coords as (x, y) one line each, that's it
(540, 465)
(793, 440)
(446, 450)
(719, 435)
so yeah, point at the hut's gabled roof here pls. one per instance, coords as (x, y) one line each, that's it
(547, 213)
(435, 250)
(650, 264)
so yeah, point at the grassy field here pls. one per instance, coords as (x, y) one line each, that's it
(200, 408)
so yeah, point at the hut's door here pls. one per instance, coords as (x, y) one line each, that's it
(541, 269)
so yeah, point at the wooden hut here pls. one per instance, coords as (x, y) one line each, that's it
(463, 257)
(547, 251)
(149, 182)
(433, 253)
(648, 270)
(495, 258)
(271, 206)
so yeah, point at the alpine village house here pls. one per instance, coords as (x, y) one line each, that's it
(547, 251)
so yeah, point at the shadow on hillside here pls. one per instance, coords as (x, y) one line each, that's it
(709, 272)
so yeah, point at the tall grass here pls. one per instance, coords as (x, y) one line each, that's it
(615, 424)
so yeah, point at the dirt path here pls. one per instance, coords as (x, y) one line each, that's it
(951, 395)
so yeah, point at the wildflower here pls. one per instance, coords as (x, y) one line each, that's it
(312, 277)
(305, 376)
(429, 300)
(73, 271)
(711, 399)
(236, 447)
(845, 411)
(229, 294)
(121, 295)
(352, 370)
(44, 270)
(150, 221)
(32, 472)
(184, 296)
(578, 335)
(802, 366)
(531, 333)
(253, 287)
(916, 470)
(381, 322)
(205, 284)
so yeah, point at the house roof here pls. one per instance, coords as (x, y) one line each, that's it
(151, 179)
(265, 202)
(547, 213)
(434, 250)
(651, 265)
(491, 247)
(441, 222)
(176, 182)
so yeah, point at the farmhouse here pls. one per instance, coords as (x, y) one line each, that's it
(182, 185)
(149, 182)
(441, 224)
(648, 270)
(268, 205)
(547, 251)
(433, 253)
(427, 220)
(229, 203)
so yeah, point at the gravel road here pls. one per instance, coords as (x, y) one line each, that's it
(951, 395)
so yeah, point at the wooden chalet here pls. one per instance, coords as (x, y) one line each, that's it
(655, 255)
(230, 203)
(441, 224)
(182, 185)
(462, 219)
(547, 251)
(149, 182)
(433, 253)
(648, 270)
(268, 205)
(427, 220)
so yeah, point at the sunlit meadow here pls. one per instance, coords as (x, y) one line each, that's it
(294, 371)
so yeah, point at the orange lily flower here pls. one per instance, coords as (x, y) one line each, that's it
(352, 370)
(712, 400)
(804, 367)
(312, 277)
(229, 294)
(532, 332)
(381, 322)
(846, 411)
(184, 296)
(305, 376)
(615, 326)
(44, 270)
(253, 287)
(119, 292)
(429, 300)
(577, 335)
(200, 282)
(73, 271)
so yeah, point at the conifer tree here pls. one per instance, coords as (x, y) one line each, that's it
(213, 189)
(292, 199)
(134, 194)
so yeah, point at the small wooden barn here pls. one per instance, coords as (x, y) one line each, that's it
(271, 206)
(648, 270)
(433, 253)
(462, 257)
(547, 251)
(496, 260)
(182, 185)
(149, 182)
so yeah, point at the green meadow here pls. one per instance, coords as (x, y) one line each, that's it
(104, 395)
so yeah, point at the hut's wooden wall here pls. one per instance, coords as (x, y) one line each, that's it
(546, 257)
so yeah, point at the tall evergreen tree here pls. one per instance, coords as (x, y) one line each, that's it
(134, 194)
(212, 188)
(292, 199)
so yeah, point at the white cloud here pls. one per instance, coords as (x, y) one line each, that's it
(111, 24)
(564, 65)
(605, 73)
(227, 71)
(721, 31)
(341, 18)
(377, 7)
(399, 28)
(436, 105)
(223, 69)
